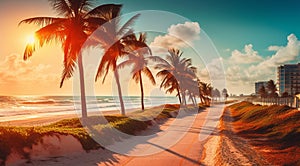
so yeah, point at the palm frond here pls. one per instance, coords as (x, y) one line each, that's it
(85, 5)
(69, 67)
(127, 25)
(103, 63)
(45, 35)
(62, 7)
(41, 21)
(148, 73)
(29, 51)
(106, 12)
(94, 22)
(158, 59)
(136, 77)
(125, 63)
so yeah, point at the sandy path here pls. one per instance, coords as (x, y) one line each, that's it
(187, 151)
(234, 150)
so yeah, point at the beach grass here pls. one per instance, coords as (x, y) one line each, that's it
(274, 129)
(17, 138)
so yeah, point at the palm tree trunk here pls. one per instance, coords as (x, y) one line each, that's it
(82, 87)
(201, 98)
(183, 98)
(195, 100)
(119, 91)
(142, 91)
(179, 97)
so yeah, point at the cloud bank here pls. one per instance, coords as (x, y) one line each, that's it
(246, 67)
(178, 36)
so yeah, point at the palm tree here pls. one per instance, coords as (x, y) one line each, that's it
(193, 90)
(137, 49)
(216, 94)
(271, 86)
(225, 94)
(176, 71)
(71, 30)
(262, 91)
(113, 39)
(206, 92)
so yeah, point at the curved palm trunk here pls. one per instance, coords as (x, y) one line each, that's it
(201, 99)
(82, 87)
(183, 98)
(142, 91)
(179, 97)
(119, 91)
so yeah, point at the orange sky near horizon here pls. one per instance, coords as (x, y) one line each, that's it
(40, 75)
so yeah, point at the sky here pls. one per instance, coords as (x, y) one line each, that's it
(252, 39)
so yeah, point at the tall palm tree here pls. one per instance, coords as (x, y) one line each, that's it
(79, 21)
(176, 72)
(192, 90)
(113, 39)
(136, 56)
(271, 86)
(225, 94)
(262, 92)
(206, 92)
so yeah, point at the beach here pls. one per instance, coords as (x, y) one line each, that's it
(43, 110)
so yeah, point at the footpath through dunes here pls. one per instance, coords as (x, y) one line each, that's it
(184, 130)
(259, 135)
(189, 149)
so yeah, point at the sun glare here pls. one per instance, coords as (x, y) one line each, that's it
(30, 39)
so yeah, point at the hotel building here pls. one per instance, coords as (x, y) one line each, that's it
(289, 78)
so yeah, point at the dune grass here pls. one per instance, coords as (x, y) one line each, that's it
(274, 129)
(17, 138)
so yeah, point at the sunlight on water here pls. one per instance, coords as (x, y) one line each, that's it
(28, 107)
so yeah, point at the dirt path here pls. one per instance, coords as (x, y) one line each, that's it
(187, 150)
(234, 150)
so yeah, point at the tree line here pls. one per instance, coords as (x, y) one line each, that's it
(80, 20)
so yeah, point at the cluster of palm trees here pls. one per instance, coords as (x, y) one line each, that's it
(80, 21)
(269, 91)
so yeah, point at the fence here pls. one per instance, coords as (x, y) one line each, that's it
(289, 101)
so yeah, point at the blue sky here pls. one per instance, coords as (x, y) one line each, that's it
(236, 26)
(233, 23)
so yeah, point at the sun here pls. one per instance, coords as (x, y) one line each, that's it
(30, 39)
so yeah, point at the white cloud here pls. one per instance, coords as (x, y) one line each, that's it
(213, 73)
(178, 36)
(14, 69)
(265, 70)
(248, 56)
(283, 54)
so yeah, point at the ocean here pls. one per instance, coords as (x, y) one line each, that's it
(20, 107)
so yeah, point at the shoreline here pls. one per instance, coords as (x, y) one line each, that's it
(46, 120)
(49, 118)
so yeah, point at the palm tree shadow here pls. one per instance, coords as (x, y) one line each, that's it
(132, 145)
(175, 153)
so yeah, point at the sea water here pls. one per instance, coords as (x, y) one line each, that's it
(20, 107)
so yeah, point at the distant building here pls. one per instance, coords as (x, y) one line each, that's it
(289, 78)
(258, 85)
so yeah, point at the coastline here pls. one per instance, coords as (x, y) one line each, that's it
(50, 145)
(49, 118)
(46, 120)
